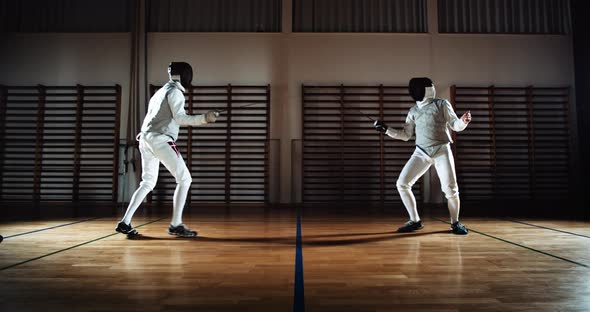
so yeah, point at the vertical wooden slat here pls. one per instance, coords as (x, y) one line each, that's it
(493, 156)
(303, 148)
(267, 148)
(3, 109)
(115, 187)
(228, 166)
(531, 141)
(77, 143)
(39, 143)
(381, 149)
(566, 109)
(341, 142)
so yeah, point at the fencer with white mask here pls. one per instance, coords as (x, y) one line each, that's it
(430, 120)
(159, 133)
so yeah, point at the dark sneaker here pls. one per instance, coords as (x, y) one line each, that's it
(458, 228)
(410, 226)
(181, 231)
(124, 228)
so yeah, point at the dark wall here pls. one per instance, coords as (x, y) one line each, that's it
(581, 29)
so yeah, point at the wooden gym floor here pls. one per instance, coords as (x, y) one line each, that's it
(254, 260)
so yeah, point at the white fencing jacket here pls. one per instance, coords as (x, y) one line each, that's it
(431, 122)
(166, 112)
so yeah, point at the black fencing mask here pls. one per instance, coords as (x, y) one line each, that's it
(417, 87)
(181, 71)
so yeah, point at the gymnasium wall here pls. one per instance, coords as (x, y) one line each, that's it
(286, 60)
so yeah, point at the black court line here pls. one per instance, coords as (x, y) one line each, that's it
(299, 296)
(49, 228)
(522, 246)
(546, 228)
(71, 247)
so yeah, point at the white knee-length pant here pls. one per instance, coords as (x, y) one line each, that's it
(441, 157)
(156, 148)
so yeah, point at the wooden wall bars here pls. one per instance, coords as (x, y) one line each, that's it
(59, 143)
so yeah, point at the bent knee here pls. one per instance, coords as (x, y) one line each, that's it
(148, 185)
(403, 185)
(451, 191)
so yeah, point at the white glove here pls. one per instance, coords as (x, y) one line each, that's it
(466, 117)
(211, 116)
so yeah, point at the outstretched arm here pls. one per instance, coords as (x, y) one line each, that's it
(456, 124)
(176, 102)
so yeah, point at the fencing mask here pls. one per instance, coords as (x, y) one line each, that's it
(421, 89)
(181, 71)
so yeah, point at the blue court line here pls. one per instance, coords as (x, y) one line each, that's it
(523, 246)
(71, 247)
(299, 297)
(546, 228)
(48, 228)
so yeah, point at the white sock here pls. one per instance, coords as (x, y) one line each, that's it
(134, 203)
(179, 200)
(410, 203)
(454, 205)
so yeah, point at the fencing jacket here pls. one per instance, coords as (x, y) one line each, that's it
(166, 112)
(431, 122)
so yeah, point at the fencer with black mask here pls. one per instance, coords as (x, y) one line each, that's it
(159, 133)
(430, 120)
